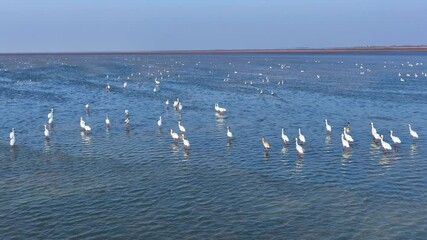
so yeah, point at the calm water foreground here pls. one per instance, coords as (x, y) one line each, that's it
(134, 182)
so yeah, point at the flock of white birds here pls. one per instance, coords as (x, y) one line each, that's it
(346, 138)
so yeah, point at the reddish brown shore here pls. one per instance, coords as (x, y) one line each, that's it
(422, 48)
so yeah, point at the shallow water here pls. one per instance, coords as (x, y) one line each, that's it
(128, 182)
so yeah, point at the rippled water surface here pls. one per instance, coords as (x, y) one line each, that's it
(134, 182)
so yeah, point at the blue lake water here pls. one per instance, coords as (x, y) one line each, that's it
(134, 182)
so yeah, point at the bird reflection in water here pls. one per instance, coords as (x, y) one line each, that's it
(387, 159)
(219, 119)
(85, 137)
(328, 139)
(299, 164)
(346, 154)
(413, 149)
(266, 155)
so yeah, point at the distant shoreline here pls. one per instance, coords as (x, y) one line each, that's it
(220, 51)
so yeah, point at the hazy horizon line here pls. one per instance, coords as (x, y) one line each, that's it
(367, 48)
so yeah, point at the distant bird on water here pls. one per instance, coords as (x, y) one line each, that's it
(219, 109)
(181, 128)
(384, 144)
(159, 122)
(185, 142)
(174, 135)
(46, 132)
(300, 136)
(284, 137)
(300, 150)
(413, 133)
(395, 139)
(347, 136)
(328, 127)
(265, 144)
(344, 142)
(107, 121)
(12, 137)
(229, 133)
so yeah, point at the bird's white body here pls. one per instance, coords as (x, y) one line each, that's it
(347, 136)
(229, 133)
(107, 121)
(127, 120)
(412, 132)
(167, 102)
(301, 136)
(175, 103)
(174, 135)
(328, 127)
(373, 130)
(300, 150)
(181, 128)
(12, 137)
(376, 136)
(185, 142)
(46, 131)
(87, 107)
(384, 144)
(395, 139)
(50, 115)
(344, 142)
(82, 123)
(219, 109)
(284, 137)
(159, 122)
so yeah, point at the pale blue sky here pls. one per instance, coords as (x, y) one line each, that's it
(131, 25)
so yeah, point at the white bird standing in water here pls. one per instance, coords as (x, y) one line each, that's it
(175, 103)
(107, 121)
(347, 136)
(284, 137)
(413, 133)
(126, 113)
(87, 128)
(50, 117)
(265, 144)
(385, 145)
(181, 128)
(159, 122)
(87, 108)
(167, 102)
(374, 133)
(46, 132)
(186, 142)
(12, 137)
(219, 109)
(395, 139)
(344, 142)
(229, 133)
(300, 150)
(82, 123)
(328, 127)
(174, 135)
(300, 136)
